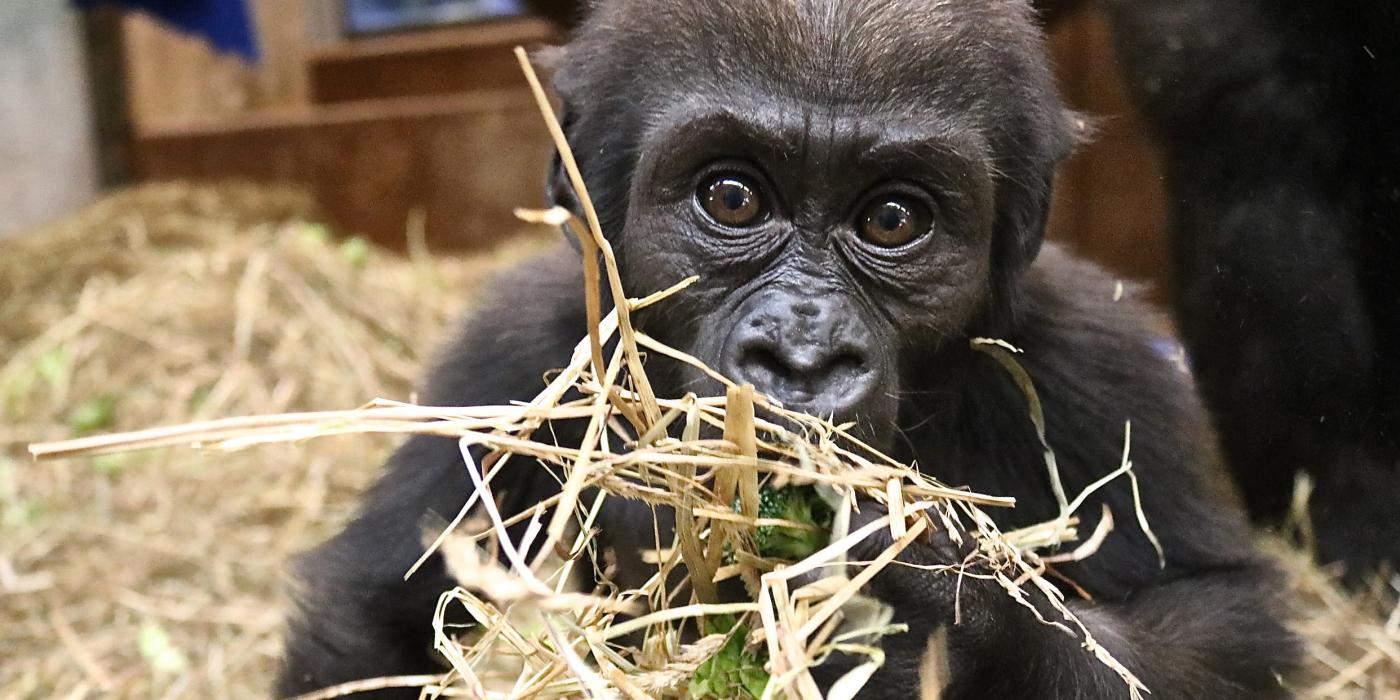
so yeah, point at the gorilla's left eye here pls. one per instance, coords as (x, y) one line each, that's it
(894, 221)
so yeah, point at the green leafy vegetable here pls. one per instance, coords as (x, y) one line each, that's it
(799, 504)
(734, 671)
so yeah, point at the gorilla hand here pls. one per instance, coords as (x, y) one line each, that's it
(929, 577)
(934, 583)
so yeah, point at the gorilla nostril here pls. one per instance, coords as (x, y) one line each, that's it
(768, 364)
(844, 365)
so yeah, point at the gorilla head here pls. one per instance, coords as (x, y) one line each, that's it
(856, 183)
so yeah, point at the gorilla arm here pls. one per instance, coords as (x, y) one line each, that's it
(1208, 634)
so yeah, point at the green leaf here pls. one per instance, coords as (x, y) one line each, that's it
(355, 251)
(112, 463)
(315, 234)
(54, 366)
(94, 414)
(799, 504)
(755, 680)
(734, 671)
(158, 651)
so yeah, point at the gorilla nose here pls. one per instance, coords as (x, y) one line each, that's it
(805, 359)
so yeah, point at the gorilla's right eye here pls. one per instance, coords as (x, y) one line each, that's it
(732, 201)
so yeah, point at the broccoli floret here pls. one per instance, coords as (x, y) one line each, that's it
(734, 671)
(799, 504)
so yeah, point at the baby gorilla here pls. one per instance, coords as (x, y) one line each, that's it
(862, 188)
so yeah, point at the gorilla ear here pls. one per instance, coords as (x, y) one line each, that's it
(1020, 225)
(1025, 208)
(547, 59)
(560, 188)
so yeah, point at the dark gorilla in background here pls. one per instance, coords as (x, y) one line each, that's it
(1279, 122)
(862, 188)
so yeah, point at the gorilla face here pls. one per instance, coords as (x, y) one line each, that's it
(855, 183)
(828, 247)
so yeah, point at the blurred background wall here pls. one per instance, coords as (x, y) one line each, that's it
(430, 123)
(47, 138)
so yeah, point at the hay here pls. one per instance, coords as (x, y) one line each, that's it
(1351, 638)
(156, 574)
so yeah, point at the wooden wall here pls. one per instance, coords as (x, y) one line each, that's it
(1108, 203)
(437, 122)
(174, 79)
(464, 162)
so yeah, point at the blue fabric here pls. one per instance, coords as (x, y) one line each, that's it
(225, 24)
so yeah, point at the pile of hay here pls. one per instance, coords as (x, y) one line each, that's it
(157, 574)
(1351, 637)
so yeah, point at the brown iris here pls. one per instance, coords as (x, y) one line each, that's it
(732, 201)
(890, 223)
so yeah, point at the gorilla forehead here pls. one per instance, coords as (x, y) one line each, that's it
(973, 56)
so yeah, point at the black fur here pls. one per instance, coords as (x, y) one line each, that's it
(1278, 125)
(811, 95)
